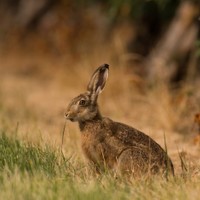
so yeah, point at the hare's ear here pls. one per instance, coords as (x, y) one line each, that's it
(98, 81)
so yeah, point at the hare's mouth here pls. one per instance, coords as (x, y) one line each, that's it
(68, 117)
(72, 119)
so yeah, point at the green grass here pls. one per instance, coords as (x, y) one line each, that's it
(30, 171)
(26, 158)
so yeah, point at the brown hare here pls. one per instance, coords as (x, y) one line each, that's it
(111, 144)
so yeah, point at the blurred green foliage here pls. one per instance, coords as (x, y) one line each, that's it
(198, 48)
(133, 9)
(129, 8)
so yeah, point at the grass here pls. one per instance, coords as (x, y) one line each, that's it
(25, 158)
(30, 171)
(37, 161)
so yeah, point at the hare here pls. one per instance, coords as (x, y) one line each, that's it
(111, 144)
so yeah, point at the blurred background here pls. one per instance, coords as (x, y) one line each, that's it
(155, 39)
(49, 49)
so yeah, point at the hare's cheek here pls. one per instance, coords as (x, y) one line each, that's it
(83, 111)
(75, 109)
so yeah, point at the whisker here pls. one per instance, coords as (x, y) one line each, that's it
(63, 133)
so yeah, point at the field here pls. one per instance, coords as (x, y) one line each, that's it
(34, 93)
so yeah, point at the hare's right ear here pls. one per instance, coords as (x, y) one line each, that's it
(97, 82)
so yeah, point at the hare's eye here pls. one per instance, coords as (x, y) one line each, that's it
(82, 102)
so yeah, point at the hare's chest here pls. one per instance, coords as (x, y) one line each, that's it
(99, 149)
(92, 145)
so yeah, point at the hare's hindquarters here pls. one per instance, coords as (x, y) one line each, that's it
(137, 162)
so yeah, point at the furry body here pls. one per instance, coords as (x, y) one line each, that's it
(114, 145)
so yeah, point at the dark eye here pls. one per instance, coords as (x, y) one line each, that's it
(82, 102)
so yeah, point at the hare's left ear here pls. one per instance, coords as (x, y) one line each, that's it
(98, 81)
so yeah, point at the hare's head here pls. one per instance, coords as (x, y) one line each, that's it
(84, 107)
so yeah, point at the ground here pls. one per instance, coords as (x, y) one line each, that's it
(35, 91)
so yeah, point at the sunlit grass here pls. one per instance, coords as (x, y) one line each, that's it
(34, 172)
(32, 165)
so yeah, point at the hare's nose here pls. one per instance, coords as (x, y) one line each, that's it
(67, 115)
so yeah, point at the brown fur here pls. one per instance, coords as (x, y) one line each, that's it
(110, 144)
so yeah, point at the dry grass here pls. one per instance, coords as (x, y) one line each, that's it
(34, 93)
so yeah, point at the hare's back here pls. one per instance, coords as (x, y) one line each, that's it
(130, 136)
(134, 139)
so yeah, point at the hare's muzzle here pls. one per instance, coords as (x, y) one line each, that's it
(68, 117)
